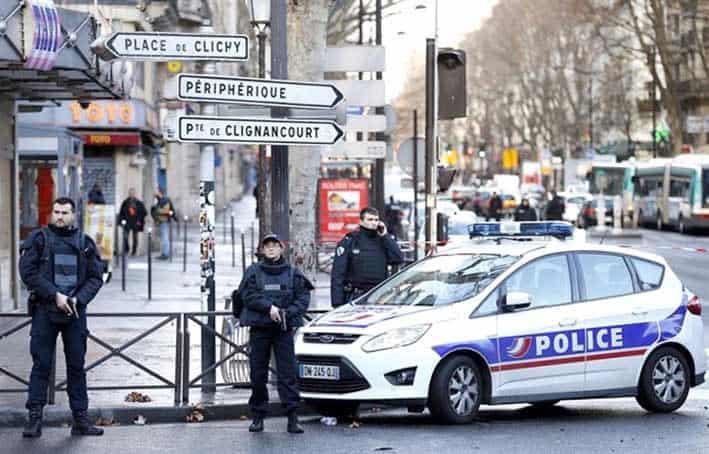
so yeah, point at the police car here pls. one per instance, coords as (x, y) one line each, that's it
(519, 314)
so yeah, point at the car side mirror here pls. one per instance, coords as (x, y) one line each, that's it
(516, 300)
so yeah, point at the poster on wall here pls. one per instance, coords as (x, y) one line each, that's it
(341, 200)
(99, 224)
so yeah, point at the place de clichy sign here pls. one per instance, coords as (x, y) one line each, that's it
(178, 46)
(263, 92)
(210, 129)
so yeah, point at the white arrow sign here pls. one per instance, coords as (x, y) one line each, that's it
(178, 46)
(194, 128)
(242, 90)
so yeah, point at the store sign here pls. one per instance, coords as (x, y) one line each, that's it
(112, 139)
(102, 113)
(42, 34)
(340, 201)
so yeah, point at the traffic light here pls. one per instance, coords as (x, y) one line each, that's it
(452, 93)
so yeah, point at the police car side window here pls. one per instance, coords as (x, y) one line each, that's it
(605, 275)
(649, 273)
(546, 280)
(489, 306)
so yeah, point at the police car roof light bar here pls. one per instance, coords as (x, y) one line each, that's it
(521, 229)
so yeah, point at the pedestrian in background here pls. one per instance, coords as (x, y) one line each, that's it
(524, 212)
(133, 212)
(555, 208)
(494, 207)
(163, 212)
(63, 271)
(96, 195)
(275, 296)
(362, 258)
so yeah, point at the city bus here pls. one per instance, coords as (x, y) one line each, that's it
(611, 179)
(673, 192)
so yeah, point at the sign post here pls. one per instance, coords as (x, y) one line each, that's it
(262, 92)
(207, 129)
(172, 46)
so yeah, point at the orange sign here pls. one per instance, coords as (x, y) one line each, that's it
(111, 112)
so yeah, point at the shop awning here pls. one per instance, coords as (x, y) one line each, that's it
(74, 73)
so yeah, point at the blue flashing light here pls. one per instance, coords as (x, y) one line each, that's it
(521, 229)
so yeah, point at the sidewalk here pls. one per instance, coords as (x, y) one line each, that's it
(172, 291)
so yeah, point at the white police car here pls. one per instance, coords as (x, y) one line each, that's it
(509, 319)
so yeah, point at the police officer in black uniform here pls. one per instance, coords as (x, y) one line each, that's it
(276, 295)
(361, 258)
(63, 271)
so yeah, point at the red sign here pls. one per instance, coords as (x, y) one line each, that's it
(341, 200)
(111, 139)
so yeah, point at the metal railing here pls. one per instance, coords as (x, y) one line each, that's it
(233, 354)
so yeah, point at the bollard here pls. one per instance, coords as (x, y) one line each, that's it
(253, 246)
(184, 246)
(233, 241)
(150, 264)
(123, 256)
(243, 252)
(170, 235)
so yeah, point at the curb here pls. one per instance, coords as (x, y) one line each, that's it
(58, 416)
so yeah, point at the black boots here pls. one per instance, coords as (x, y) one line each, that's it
(33, 429)
(256, 424)
(293, 426)
(82, 426)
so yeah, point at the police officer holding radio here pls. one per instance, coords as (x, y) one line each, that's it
(361, 259)
(275, 297)
(62, 269)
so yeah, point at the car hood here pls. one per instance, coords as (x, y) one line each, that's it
(363, 317)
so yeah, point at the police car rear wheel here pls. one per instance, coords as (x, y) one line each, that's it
(456, 390)
(664, 383)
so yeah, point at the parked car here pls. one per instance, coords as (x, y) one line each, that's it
(587, 216)
(574, 202)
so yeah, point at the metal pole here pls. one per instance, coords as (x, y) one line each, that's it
(262, 199)
(184, 246)
(416, 186)
(590, 110)
(243, 252)
(653, 95)
(150, 265)
(253, 244)
(379, 163)
(233, 243)
(280, 223)
(124, 246)
(225, 224)
(430, 158)
(207, 242)
(169, 223)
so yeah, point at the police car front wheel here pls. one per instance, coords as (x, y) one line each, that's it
(664, 382)
(456, 391)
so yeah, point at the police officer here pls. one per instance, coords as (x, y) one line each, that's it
(62, 269)
(361, 258)
(276, 296)
(524, 212)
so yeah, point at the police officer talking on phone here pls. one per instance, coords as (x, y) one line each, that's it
(275, 296)
(63, 271)
(361, 258)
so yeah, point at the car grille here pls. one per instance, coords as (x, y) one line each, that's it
(350, 381)
(329, 338)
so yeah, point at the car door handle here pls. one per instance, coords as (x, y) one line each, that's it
(568, 322)
(639, 311)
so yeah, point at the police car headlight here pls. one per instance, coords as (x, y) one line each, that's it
(400, 337)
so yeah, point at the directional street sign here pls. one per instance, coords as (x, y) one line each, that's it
(263, 92)
(173, 46)
(202, 129)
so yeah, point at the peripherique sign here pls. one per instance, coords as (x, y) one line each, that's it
(209, 129)
(263, 92)
(178, 46)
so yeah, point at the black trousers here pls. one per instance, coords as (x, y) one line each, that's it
(136, 234)
(261, 340)
(42, 346)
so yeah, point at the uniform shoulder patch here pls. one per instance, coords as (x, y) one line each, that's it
(340, 251)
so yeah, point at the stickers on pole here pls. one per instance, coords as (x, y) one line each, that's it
(209, 129)
(262, 92)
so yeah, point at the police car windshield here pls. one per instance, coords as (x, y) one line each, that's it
(440, 280)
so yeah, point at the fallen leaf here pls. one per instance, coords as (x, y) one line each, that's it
(354, 425)
(101, 421)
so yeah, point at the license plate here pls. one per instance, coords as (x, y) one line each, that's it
(319, 372)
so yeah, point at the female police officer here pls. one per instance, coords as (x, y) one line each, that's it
(276, 296)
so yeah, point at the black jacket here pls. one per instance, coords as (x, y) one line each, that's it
(37, 274)
(525, 214)
(258, 301)
(134, 221)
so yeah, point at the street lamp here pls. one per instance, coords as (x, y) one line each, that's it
(261, 19)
